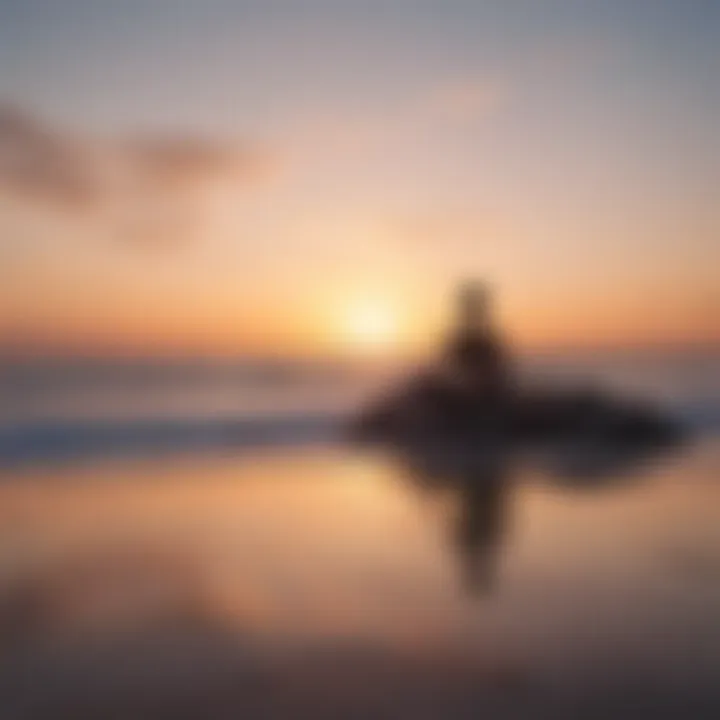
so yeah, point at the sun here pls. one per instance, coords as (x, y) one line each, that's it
(370, 326)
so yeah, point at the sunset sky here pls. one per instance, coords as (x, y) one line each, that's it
(228, 177)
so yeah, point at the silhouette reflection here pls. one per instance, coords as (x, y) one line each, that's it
(480, 482)
(479, 485)
(480, 524)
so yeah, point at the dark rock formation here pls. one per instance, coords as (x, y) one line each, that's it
(471, 396)
(427, 409)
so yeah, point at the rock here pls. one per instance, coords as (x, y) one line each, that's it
(427, 409)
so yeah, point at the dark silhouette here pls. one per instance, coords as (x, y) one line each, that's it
(480, 482)
(480, 526)
(474, 357)
(480, 487)
(472, 394)
(457, 429)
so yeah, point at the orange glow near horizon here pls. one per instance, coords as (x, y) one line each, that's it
(354, 324)
(329, 204)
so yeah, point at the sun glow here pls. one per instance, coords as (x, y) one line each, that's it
(370, 326)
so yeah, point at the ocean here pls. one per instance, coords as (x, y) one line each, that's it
(53, 409)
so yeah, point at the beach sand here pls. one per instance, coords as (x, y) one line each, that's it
(331, 581)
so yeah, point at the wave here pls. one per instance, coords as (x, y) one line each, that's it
(702, 415)
(67, 440)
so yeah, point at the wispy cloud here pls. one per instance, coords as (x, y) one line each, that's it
(40, 164)
(141, 185)
(172, 161)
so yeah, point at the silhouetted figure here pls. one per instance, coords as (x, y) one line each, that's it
(475, 360)
(473, 397)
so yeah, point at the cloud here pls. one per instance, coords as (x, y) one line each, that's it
(146, 185)
(171, 161)
(42, 165)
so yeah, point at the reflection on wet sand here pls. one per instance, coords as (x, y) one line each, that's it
(137, 630)
(480, 482)
(480, 486)
(313, 587)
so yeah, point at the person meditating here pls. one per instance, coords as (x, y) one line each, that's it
(473, 391)
(474, 360)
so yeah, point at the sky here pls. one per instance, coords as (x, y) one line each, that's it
(229, 177)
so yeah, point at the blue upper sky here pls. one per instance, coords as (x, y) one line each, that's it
(222, 61)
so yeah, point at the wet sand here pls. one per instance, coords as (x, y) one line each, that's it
(336, 582)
